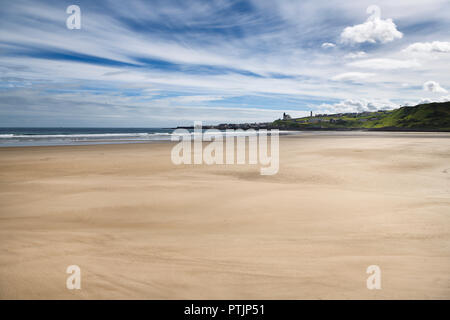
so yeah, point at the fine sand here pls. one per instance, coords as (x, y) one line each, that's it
(140, 227)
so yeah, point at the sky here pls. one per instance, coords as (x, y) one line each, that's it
(165, 63)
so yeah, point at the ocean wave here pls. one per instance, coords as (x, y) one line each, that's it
(84, 135)
(47, 139)
(126, 135)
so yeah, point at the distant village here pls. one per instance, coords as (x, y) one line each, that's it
(336, 118)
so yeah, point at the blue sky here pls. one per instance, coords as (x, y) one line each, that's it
(165, 63)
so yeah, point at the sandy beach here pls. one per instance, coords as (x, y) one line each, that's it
(141, 227)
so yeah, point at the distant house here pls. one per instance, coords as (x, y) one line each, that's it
(286, 116)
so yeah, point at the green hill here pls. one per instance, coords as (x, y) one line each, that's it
(428, 117)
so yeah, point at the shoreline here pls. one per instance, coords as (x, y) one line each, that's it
(386, 129)
(299, 134)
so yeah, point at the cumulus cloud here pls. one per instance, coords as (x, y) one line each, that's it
(431, 100)
(373, 30)
(435, 46)
(433, 86)
(351, 105)
(355, 55)
(365, 105)
(385, 64)
(327, 45)
(352, 76)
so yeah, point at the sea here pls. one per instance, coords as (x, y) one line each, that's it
(17, 137)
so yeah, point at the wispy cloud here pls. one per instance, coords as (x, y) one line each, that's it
(427, 47)
(385, 64)
(160, 63)
(352, 76)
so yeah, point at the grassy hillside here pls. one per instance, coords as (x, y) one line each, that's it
(431, 116)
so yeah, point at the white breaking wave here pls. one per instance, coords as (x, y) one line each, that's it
(23, 139)
(124, 135)
(85, 135)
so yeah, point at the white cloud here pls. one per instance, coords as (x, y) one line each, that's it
(355, 55)
(435, 46)
(327, 45)
(385, 64)
(357, 105)
(431, 100)
(352, 76)
(373, 30)
(193, 99)
(433, 86)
